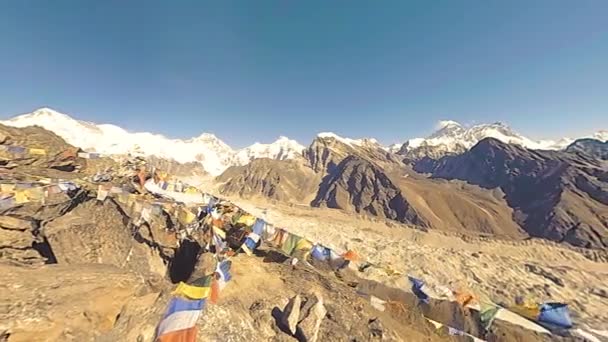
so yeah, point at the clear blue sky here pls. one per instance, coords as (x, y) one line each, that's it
(253, 70)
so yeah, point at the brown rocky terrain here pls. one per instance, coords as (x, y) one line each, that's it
(555, 195)
(280, 180)
(324, 154)
(367, 179)
(498, 268)
(359, 184)
(80, 269)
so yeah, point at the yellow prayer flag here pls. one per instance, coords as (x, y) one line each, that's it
(192, 292)
(219, 231)
(436, 324)
(528, 311)
(303, 245)
(37, 151)
(20, 197)
(247, 220)
(7, 188)
(185, 216)
(191, 190)
(34, 194)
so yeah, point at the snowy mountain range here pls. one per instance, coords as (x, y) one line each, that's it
(216, 156)
(209, 150)
(454, 137)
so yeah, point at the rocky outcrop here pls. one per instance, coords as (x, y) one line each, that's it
(555, 195)
(590, 147)
(95, 232)
(286, 180)
(63, 302)
(359, 185)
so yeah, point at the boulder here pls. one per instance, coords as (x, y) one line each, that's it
(291, 314)
(9, 222)
(63, 302)
(99, 232)
(311, 323)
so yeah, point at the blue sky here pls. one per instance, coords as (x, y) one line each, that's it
(253, 70)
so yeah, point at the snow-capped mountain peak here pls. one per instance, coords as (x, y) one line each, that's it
(208, 149)
(452, 136)
(348, 141)
(281, 149)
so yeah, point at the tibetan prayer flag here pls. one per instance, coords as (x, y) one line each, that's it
(320, 253)
(304, 245)
(350, 255)
(290, 243)
(487, 313)
(247, 220)
(185, 216)
(179, 320)
(417, 286)
(336, 261)
(269, 232)
(436, 324)
(555, 314)
(221, 277)
(35, 194)
(181, 304)
(192, 292)
(528, 310)
(219, 232)
(254, 237)
(7, 188)
(184, 335)
(463, 298)
(16, 149)
(20, 197)
(37, 151)
(455, 332)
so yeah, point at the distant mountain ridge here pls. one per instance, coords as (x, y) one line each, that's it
(558, 195)
(215, 155)
(451, 138)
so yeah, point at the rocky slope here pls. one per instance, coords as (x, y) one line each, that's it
(288, 180)
(556, 195)
(360, 185)
(328, 150)
(590, 147)
(359, 176)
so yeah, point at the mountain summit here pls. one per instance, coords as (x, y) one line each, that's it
(454, 138)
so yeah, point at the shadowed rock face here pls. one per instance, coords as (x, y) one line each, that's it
(590, 147)
(555, 195)
(359, 185)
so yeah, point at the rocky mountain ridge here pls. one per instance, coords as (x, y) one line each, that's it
(453, 138)
(216, 156)
(558, 195)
